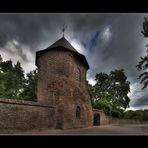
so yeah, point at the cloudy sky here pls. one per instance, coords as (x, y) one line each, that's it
(109, 41)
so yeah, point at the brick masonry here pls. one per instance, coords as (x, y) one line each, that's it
(108, 120)
(25, 115)
(58, 86)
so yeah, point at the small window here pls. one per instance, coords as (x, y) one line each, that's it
(78, 112)
(78, 74)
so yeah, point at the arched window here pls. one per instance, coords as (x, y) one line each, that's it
(78, 112)
(77, 74)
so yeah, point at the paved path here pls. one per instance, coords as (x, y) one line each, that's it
(95, 130)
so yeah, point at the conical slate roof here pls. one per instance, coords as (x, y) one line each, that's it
(62, 42)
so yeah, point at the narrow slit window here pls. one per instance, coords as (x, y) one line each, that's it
(78, 112)
(78, 74)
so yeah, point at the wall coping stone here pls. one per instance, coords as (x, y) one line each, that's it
(24, 102)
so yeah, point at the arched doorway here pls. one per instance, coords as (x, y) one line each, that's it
(96, 119)
(78, 112)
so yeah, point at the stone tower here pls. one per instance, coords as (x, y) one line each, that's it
(62, 83)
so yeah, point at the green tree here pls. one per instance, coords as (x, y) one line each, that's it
(119, 88)
(110, 92)
(145, 114)
(137, 114)
(7, 83)
(11, 79)
(143, 64)
(108, 107)
(1, 79)
(14, 85)
(102, 86)
(113, 87)
(30, 88)
(6, 66)
(19, 79)
(91, 92)
(129, 114)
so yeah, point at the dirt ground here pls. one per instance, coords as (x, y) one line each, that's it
(139, 129)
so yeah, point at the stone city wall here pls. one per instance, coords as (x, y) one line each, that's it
(107, 120)
(25, 115)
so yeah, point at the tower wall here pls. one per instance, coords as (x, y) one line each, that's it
(57, 86)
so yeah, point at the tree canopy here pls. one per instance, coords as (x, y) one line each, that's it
(110, 92)
(143, 63)
(13, 84)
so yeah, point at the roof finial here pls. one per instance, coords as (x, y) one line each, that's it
(63, 29)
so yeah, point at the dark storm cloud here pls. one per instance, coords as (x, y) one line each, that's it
(36, 29)
(30, 29)
(110, 41)
(124, 48)
(141, 102)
